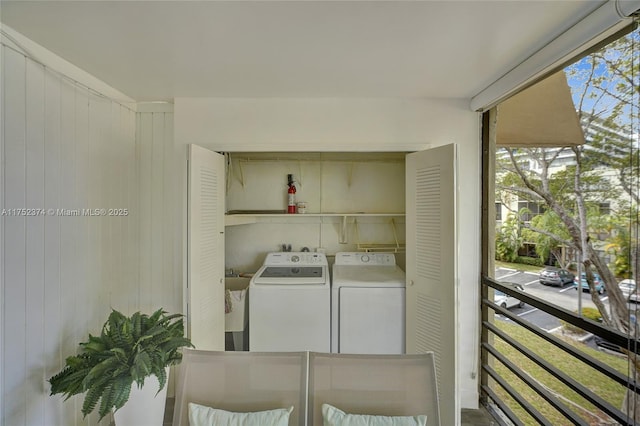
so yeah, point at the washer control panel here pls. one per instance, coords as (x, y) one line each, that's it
(296, 258)
(372, 259)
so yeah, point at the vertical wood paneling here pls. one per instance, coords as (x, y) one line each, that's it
(121, 162)
(172, 283)
(118, 177)
(70, 300)
(67, 149)
(92, 175)
(146, 191)
(156, 215)
(62, 148)
(113, 181)
(100, 145)
(98, 226)
(34, 291)
(13, 334)
(83, 268)
(53, 326)
(160, 287)
(133, 218)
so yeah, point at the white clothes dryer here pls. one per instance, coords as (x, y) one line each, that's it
(290, 304)
(367, 304)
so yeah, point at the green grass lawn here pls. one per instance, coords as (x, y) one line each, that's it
(604, 387)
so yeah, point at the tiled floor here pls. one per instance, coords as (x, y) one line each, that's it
(168, 412)
(469, 417)
(477, 418)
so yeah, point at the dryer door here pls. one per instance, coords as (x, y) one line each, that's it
(371, 320)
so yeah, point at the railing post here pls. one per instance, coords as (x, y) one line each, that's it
(487, 261)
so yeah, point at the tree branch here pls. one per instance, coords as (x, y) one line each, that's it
(549, 234)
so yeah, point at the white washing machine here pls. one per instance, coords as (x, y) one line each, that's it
(367, 304)
(290, 304)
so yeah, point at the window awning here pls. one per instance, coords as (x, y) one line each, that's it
(542, 115)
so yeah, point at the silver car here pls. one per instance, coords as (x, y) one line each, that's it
(629, 290)
(506, 301)
(556, 276)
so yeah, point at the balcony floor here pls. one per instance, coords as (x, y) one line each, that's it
(479, 417)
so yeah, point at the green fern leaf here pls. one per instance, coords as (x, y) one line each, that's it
(155, 317)
(136, 321)
(95, 344)
(141, 367)
(123, 390)
(76, 361)
(161, 374)
(91, 399)
(100, 371)
(106, 401)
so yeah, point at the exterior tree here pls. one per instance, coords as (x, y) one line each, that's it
(508, 239)
(568, 195)
(606, 92)
(609, 107)
(619, 243)
(548, 245)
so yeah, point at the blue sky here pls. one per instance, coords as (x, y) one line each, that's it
(578, 74)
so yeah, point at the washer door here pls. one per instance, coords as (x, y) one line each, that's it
(292, 319)
(371, 320)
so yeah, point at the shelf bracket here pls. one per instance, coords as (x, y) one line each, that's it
(396, 246)
(241, 177)
(300, 174)
(343, 230)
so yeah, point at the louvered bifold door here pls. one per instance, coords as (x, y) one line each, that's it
(431, 267)
(205, 252)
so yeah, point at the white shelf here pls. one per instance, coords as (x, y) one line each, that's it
(247, 218)
(312, 214)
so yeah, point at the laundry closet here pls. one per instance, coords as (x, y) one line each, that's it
(314, 205)
(354, 202)
(237, 214)
(423, 202)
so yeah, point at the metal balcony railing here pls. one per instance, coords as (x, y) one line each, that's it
(492, 380)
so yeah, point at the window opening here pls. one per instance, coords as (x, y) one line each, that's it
(567, 221)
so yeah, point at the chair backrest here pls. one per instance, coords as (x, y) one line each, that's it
(242, 382)
(389, 385)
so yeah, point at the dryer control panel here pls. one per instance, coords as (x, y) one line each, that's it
(370, 259)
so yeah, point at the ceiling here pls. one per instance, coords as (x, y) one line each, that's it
(159, 50)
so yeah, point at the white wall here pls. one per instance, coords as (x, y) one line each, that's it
(160, 252)
(322, 124)
(63, 146)
(237, 125)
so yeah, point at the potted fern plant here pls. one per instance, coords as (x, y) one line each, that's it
(128, 350)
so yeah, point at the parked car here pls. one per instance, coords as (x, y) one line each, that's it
(606, 345)
(628, 288)
(585, 286)
(556, 276)
(506, 301)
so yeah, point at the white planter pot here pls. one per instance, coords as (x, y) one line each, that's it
(144, 407)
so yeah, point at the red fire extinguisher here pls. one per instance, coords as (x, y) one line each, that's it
(291, 206)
